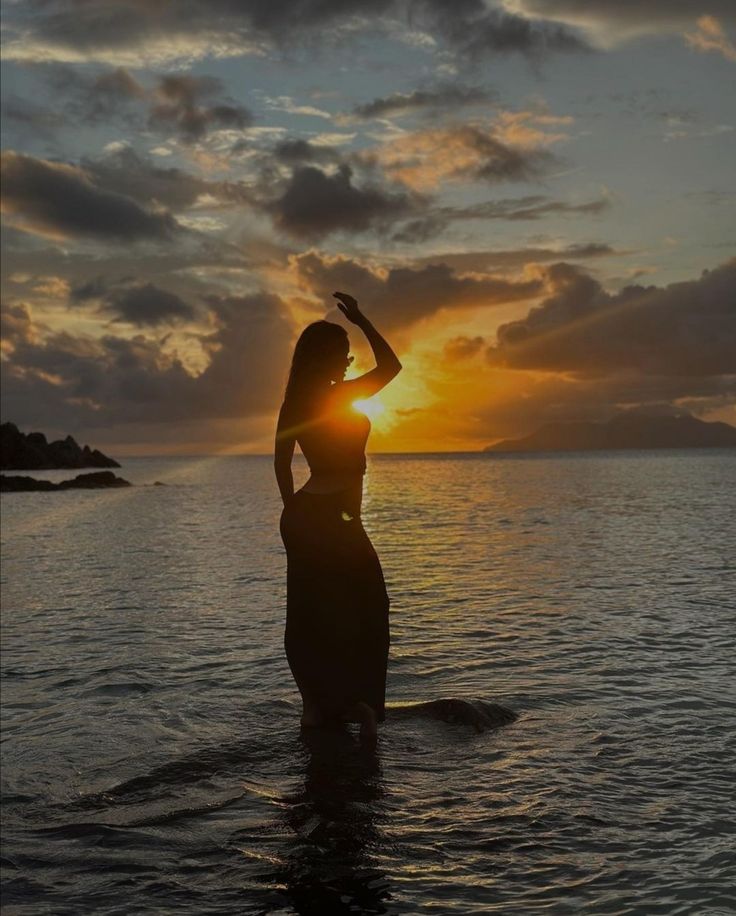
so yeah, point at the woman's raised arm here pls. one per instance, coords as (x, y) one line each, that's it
(387, 363)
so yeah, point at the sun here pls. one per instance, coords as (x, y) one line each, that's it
(371, 407)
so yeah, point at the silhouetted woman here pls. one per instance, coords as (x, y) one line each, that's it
(337, 634)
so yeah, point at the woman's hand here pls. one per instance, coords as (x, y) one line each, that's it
(349, 307)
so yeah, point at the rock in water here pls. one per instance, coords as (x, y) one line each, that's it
(94, 481)
(478, 713)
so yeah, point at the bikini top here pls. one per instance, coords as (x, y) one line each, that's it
(334, 440)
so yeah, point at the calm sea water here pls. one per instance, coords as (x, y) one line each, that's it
(152, 755)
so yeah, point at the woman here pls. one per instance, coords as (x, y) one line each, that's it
(337, 633)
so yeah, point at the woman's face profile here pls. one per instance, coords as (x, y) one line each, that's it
(339, 362)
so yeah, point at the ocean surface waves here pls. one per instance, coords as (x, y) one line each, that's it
(560, 729)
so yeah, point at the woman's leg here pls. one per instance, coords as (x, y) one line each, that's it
(311, 714)
(365, 715)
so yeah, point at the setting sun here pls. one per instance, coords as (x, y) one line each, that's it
(371, 407)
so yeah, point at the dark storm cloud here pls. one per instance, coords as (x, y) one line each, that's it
(186, 268)
(474, 29)
(90, 289)
(146, 305)
(632, 15)
(60, 200)
(140, 304)
(178, 105)
(194, 27)
(125, 172)
(315, 204)
(66, 380)
(501, 162)
(402, 296)
(433, 100)
(301, 152)
(685, 329)
(481, 261)
(105, 97)
(533, 207)
(188, 106)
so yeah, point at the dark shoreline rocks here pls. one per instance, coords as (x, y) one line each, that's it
(94, 481)
(31, 452)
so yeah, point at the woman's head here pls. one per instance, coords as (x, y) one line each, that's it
(320, 357)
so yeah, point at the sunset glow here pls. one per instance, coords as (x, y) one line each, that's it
(534, 206)
(371, 407)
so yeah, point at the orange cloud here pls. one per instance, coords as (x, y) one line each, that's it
(401, 297)
(528, 129)
(424, 159)
(710, 36)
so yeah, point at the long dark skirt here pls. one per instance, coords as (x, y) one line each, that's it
(337, 632)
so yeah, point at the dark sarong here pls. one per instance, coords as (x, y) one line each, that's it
(337, 632)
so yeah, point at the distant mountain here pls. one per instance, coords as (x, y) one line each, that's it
(627, 430)
(32, 452)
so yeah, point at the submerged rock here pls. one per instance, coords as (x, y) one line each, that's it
(478, 713)
(20, 484)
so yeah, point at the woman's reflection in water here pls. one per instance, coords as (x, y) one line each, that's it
(335, 817)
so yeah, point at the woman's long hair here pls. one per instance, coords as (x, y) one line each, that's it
(317, 344)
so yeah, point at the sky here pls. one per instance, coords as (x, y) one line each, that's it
(533, 200)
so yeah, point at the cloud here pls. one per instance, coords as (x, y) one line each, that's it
(710, 36)
(16, 326)
(685, 329)
(460, 348)
(483, 261)
(30, 120)
(124, 171)
(188, 105)
(424, 159)
(135, 34)
(444, 98)
(287, 104)
(475, 29)
(62, 201)
(611, 20)
(62, 379)
(315, 204)
(178, 105)
(140, 304)
(147, 305)
(90, 289)
(530, 208)
(298, 152)
(401, 296)
(99, 99)
(525, 208)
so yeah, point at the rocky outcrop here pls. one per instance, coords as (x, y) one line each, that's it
(94, 481)
(32, 452)
(626, 431)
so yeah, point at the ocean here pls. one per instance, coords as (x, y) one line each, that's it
(152, 756)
